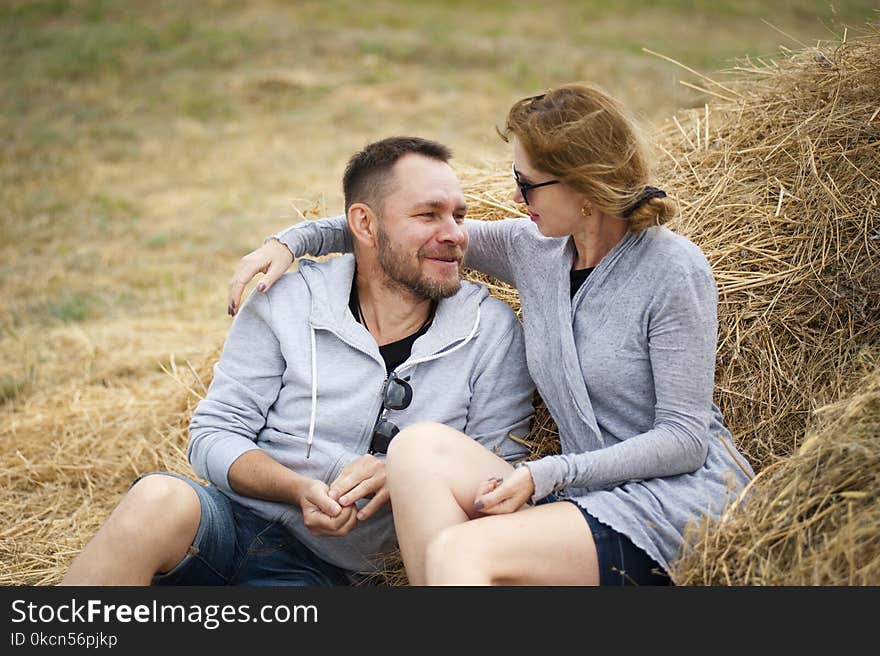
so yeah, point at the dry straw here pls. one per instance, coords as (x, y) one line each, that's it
(778, 178)
(67, 455)
(779, 185)
(810, 519)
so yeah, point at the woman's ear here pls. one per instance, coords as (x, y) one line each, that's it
(362, 224)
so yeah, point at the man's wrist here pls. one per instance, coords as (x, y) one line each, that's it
(297, 488)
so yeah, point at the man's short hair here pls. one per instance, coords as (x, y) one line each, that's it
(368, 173)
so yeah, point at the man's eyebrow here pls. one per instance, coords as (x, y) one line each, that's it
(439, 205)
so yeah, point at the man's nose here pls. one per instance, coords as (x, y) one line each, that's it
(452, 230)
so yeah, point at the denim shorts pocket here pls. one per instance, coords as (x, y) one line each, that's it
(267, 540)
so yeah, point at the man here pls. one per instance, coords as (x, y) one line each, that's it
(316, 377)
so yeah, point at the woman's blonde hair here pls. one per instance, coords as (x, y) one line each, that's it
(587, 140)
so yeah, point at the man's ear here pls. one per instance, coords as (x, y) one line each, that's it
(362, 223)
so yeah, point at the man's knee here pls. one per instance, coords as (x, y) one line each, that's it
(158, 502)
(148, 531)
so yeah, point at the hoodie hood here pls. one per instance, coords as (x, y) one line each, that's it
(454, 317)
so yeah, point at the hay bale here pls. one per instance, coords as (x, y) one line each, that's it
(68, 454)
(811, 519)
(779, 183)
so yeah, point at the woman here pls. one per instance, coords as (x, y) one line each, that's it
(620, 321)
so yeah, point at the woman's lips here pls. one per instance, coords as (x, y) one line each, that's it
(533, 216)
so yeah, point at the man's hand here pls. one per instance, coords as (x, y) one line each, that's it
(272, 258)
(360, 479)
(498, 496)
(322, 515)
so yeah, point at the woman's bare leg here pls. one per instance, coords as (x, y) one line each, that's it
(433, 472)
(549, 544)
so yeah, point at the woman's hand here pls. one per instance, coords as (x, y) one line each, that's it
(272, 258)
(498, 496)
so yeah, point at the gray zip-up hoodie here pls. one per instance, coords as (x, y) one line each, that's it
(626, 369)
(299, 374)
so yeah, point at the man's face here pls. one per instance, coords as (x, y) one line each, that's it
(421, 237)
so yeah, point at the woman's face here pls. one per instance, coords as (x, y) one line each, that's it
(555, 208)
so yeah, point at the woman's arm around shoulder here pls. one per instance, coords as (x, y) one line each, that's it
(274, 257)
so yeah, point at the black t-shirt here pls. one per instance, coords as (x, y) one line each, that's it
(395, 353)
(577, 278)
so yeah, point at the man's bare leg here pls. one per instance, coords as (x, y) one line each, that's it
(149, 531)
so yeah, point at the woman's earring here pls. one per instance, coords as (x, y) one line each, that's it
(584, 212)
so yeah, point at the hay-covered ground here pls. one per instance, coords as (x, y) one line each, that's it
(146, 147)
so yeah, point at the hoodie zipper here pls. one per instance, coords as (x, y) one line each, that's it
(368, 436)
(364, 446)
(449, 348)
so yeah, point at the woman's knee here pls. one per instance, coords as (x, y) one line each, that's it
(412, 439)
(422, 449)
(423, 440)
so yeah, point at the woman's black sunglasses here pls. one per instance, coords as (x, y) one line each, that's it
(525, 187)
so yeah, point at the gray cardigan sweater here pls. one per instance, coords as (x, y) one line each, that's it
(302, 380)
(626, 369)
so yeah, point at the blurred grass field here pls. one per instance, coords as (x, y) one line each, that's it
(145, 146)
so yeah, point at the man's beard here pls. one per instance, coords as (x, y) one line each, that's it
(394, 265)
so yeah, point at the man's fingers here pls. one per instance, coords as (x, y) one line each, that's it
(361, 490)
(349, 524)
(344, 483)
(379, 499)
(344, 517)
(355, 473)
(325, 504)
(322, 525)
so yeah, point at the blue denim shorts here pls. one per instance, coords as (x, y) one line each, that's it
(621, 562)
(234, 546)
